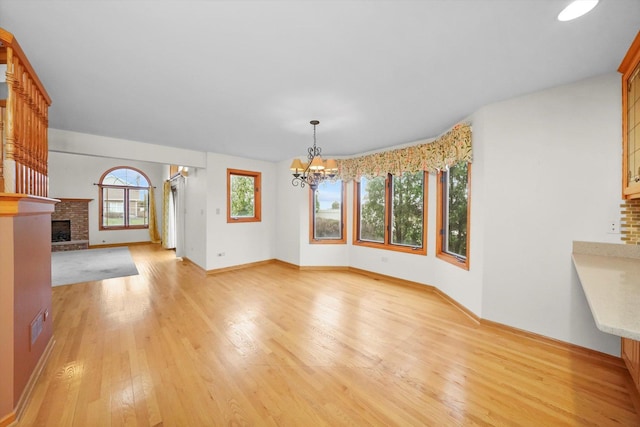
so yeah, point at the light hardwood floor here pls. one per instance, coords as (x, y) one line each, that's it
(272, 345)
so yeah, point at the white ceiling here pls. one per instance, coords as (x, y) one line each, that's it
(245, 77)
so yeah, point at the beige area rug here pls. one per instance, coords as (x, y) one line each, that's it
(91, 264)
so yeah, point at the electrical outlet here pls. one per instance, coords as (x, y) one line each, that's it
(35, 329)
(614, 227)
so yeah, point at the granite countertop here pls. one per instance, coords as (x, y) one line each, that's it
(610, 276)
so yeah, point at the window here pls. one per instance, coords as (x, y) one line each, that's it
(243, 196)
(175, 170)
(327, 213)
(390, 212)
(454, 190)
(124, 199)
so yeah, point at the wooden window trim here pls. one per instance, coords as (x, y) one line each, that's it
(387, 245)
(126, 189)
(343, 206)
(175, 170)
(257, 198)
(440, 253)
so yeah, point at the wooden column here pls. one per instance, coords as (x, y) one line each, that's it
(26, 326)
(2, 113)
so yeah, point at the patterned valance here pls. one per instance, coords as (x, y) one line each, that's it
(447, 150)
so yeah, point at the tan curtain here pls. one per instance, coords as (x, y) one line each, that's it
(445, 151)
(154, 235)
(166, 189)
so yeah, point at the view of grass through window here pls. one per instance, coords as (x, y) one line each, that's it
(327, 211)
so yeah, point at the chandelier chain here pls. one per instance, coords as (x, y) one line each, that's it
(314, 151)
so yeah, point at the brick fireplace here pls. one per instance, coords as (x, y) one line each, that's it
(75, 235)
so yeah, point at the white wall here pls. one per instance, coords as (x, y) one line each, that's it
(293, 226)
(195, 216)
(551, 162)
(65, 141)
(323, 254)
(462, 285)
(290, 216)
(294, 247)
(244, 242)
(73, 176)
(546, 171)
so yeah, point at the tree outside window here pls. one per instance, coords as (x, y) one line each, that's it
(243, 196)
(453, 214)
(372, 197)
(391, 212)
(407, 218)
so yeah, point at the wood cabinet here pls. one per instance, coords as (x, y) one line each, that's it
(631, 357)
(630, 69)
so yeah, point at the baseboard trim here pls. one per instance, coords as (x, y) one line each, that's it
(287, 264)
(8, 420)
(322, 268)
(470, 314)
(115, 245)
(312, 267)
(587, 352)
(395, 280)
(553, 342)
(14, 417)
(634, 392)
(421, 286)
(189, 261)
(240, 266)
(274, 261)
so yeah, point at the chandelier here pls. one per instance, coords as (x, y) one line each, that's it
(315, 170)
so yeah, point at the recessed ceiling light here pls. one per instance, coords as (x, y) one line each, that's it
(576, 9)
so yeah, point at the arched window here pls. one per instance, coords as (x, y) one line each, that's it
(124, 199)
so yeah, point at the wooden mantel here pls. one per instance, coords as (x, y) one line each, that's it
(12, 204)
(67, 199)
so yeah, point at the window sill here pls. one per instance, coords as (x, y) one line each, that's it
(462, 263)
(395, 248)
(142, 227)
(328, 241)
(233, 220)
